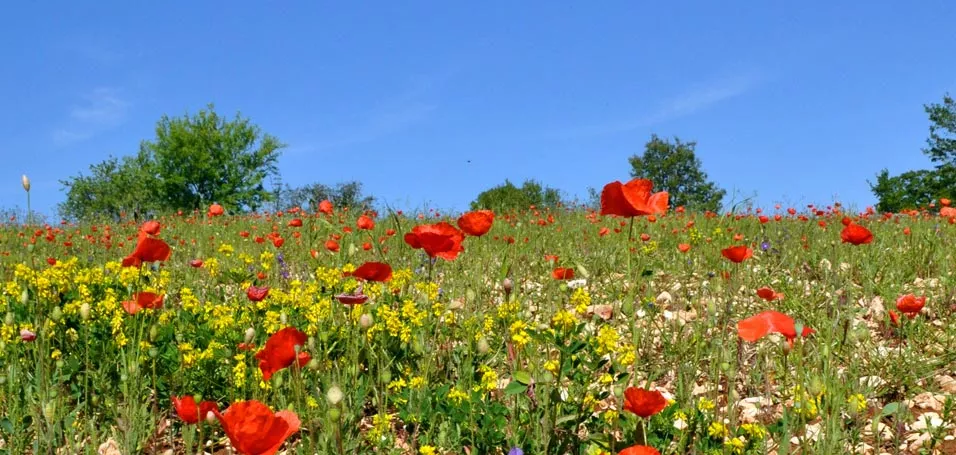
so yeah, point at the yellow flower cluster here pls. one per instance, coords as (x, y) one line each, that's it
(519, 333)
(606, 340)
(581, 300)
(563, 320)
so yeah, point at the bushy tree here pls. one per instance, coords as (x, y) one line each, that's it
(914, 189)
(113, 187)
(193, 161)
(675, 168)
(206, 158)
(909, 190)
(347, 194)
(507, 197)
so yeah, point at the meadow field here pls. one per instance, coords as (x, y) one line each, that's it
(806, 330)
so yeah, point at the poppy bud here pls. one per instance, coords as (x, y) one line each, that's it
(483, 346)
(56, 314)
(365, 321)
(334, 414)
(25, 296)
(85, 311)
(26, 182)
(250, 334)
(277, 381)
(153, 332)
(283, 318)
(334, 395)
(313, 364)
(311, 343)
(508, 286)
(9, 319)
(49, 409)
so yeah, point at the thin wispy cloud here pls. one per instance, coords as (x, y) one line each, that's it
(694, 100)
(101, 109)
(392, 115)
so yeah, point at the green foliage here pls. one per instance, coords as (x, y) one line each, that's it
(205, 158)
(675, 168)
(913, 189)
(909, 190)
(347, 194)
(942, 132)
(193, 162)
(113, 187)
(508, 197)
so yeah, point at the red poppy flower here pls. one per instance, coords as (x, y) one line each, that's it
(197, 263)
(643, 402)
(553, 258)
(365, 222)
(295, 222)
(856, 234)
(142, 300)
(894, 318)
(148, 249)
(351, 299)
(332, 246)
(944, 202)
(758, 326)
(27, 335)
(256, 293)
(187, 410)
(215, 210)
(639, 450)
(683, 247)
(253, 429)
(325, 207)
(51, 261)
(280, 351)
(438, 240)
(737, 254)
(563, 273)
(768, 294)
(476, 223)
(910, 305)
(603, 231)
(151, 227)
(633, 198)
(373, 271)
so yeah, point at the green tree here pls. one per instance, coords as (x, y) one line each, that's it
(909, 190)
(941, 145)
(206, 158)
(507, 196)
(675, 168)
(347, 194)
(914, 189)
(193, 162)
(114, 186)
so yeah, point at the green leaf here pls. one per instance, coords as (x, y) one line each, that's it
(522, 376)
(890, 409)
(514, 388)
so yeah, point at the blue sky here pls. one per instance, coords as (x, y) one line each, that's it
(794, 102)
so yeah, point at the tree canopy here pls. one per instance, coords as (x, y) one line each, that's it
(675, 168)
(918, 188)
(346, 194)
(507, 197)
(193, 161)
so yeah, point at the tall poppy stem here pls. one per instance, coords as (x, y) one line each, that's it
(627, 246)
